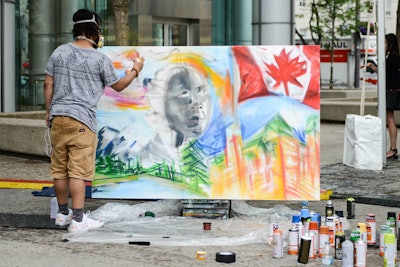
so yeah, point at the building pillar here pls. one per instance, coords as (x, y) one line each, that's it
(218, 23)
(64, 19)
(7, 56)
(42, 42)
(273, 22)
(243, 31)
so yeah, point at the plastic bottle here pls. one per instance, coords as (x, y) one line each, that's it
(53, 208)
(327, 258)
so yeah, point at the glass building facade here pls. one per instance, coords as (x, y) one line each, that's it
(41, 25)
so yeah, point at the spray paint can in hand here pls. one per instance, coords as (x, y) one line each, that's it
(348, 254)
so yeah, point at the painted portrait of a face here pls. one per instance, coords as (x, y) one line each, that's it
(187, 103)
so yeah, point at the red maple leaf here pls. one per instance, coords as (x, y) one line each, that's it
(286, 70)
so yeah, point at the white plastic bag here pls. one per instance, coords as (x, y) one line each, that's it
(363, 142)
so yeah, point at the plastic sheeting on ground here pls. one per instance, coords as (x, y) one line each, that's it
(126, 223)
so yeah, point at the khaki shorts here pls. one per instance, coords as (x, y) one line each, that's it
(74, 147)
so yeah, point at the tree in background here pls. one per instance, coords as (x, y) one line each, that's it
(121, 9)
(329, 20)
(336, 19)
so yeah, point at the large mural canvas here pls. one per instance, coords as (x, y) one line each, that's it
(217, 122)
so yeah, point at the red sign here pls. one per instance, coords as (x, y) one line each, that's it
(339, 56)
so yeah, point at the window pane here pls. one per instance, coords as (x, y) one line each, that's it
(158, 34)
(177, 35)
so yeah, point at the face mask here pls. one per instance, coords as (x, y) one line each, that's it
(100, 43)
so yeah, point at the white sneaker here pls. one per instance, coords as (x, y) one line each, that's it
(86, 224)
(63, 220)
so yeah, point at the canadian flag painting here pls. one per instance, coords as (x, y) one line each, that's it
(287, 70)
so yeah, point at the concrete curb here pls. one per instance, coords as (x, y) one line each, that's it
(25, 136)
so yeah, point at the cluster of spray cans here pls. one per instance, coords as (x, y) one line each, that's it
(309, 238)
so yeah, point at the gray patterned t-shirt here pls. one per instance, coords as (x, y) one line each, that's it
(80, 75)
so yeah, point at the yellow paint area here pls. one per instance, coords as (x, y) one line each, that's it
(24, 185)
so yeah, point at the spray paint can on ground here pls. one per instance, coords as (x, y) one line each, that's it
(302, 231)
(329, 209)
(371, 229)
(391, 221)
(323, 238)
(316, 217)
(360, 253)
(339, 239)
(278, 244)
(355, 235)
(339, 214)
(296, 220)
(305, 217)
(312, 252)
(351, 208)
(348, 254)
(398, 232)
(271, 228)
(398, 225)
(305, 246)
(313, 229)
(384, 229)
(363, 233)
(293, 241)
(330, 222)
(389, 259)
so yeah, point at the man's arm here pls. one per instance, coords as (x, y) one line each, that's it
(128, 78)
(48, 95)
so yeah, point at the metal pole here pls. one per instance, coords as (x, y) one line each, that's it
(365, 63)
(2, 90)
(380, 14)
(8, 55)
(356, 40)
